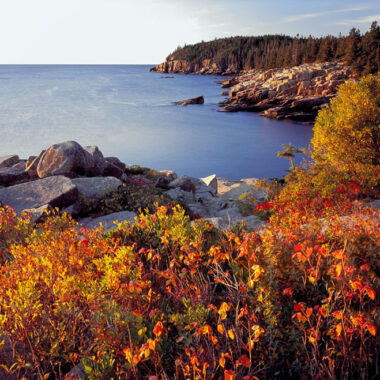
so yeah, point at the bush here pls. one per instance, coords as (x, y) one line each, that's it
(347, 133)
(167, 297)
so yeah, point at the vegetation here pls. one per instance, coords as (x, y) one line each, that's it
(361, 52)
(169, 298)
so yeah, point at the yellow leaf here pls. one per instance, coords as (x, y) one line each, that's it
(231, 334)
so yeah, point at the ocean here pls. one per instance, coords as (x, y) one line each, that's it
(127, 112)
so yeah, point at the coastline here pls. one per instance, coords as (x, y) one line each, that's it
(295, 93)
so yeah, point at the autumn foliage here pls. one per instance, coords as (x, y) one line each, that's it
(170, 298)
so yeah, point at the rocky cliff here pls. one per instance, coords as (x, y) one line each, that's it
(290, 93)
(204, 67)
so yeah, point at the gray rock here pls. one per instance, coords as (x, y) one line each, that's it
(225, 223)
(108, 221)
(96, 187)
(8, 161)
(169, 174)
(20, 165)
(211, 180)
(99, 161)
(56, 191)
(112, 170)
(74, 209)
(69, 158)
(184, 182)
(162, 182)
(38, 213)
(10, 176)
(116, 162)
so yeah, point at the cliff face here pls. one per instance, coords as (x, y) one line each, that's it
(205, 67)
(290, 93)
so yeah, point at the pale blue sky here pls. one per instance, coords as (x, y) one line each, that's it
(146, 31)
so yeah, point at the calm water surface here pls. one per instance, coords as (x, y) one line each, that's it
(127, 111)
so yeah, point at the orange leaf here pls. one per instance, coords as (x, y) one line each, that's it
(338, 269)
(309, 311)
(371, 328)
(222, 361)
(338, 329)
(220, 329)
(370, 293)
(229, 375)
(158, 329)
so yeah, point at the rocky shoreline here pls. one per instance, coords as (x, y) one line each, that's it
(295, 93)
(69, 177)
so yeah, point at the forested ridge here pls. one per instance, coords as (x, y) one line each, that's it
(360, 51)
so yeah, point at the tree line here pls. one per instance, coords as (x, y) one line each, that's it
(360, 51)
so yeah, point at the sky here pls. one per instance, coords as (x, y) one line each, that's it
(146, 31)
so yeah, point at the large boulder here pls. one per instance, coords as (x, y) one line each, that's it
(96, 187)
(57, 191)
(70, 159)
(8, 161)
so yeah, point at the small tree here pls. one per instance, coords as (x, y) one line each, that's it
(347, 132)
(288, 152)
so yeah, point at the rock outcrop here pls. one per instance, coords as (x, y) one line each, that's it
(196, 100)
(296, 93)
(69, 184)
(204, 67)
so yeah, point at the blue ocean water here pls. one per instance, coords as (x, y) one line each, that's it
(128, 112)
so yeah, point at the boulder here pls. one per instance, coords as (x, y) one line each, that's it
(96, 187)
(184, 182)
(170, 174)
(115, 161)
(113, 170)
(70, 159)
(10, 176)
(57, 191)
(99, 161)
(162, 182)
(8, 161)
(108, 221)
(196, 100)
